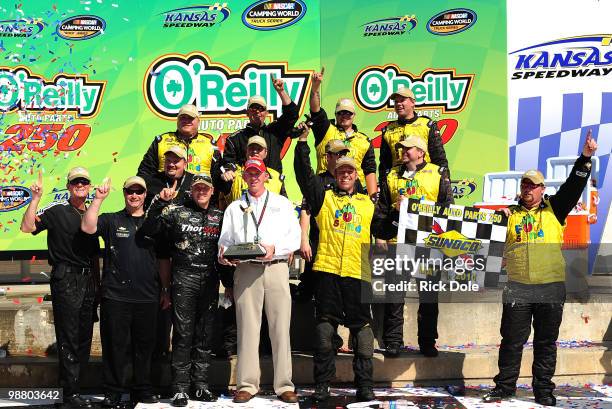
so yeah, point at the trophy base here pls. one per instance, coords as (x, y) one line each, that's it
(245, 251)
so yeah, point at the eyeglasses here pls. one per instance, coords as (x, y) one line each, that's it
(134, 191)
(337, 154)
(81, 181)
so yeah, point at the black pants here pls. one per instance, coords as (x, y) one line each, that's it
(519, 310)
(338, 300)
(162, 337)
(427, 319)
(127, 331)
(73, 298)
(195, 297)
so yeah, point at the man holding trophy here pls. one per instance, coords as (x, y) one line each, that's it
(259, 233)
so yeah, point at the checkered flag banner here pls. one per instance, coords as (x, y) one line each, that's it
(467, 242)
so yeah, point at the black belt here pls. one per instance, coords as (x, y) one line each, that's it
(75, 269)
(267, 263)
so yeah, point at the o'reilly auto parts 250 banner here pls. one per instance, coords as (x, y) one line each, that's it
(92, 83)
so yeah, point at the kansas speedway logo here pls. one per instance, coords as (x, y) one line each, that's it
(463, 188)
(451, 22)
(196, 16)
(571, 57)
(273, 14)
(391, 26)
(20, 28)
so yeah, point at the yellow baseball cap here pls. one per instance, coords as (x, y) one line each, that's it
(135, 180)
(190, 110)
(412, 141)
(178, 151)
(345, 104)
(78, 172)
(335, 146)
(345, 161)
(257, 140)
(257, 100)
(403, 92)
(535, 176)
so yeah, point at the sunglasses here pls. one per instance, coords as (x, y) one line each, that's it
(78, 181)
(344, 113)
(134, 191)
(337, 154)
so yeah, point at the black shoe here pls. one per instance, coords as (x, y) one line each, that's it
(111, 400)
(147, 398)
(497, 395)
(365, 394)
(321, 392)
(76, 401)
(392, 350)
(180, 399)
(204, 395)
(545, 399)
(429, 351)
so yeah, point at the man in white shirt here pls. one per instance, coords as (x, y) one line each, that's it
(262, 282)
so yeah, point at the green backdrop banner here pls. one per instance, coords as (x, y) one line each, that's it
(91, 83)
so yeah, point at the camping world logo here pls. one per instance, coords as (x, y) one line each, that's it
(451, 243)
(174, 80)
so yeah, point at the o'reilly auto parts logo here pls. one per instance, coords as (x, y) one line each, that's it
(440, 88)
(196, 16)
(451, 22)
(174, 80)
(20, 28)
(571, 57)
(273, 14)
(391, 26)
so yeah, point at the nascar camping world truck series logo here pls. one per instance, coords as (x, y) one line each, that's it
(571, 57)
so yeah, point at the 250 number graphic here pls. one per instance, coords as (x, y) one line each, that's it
(42, 137)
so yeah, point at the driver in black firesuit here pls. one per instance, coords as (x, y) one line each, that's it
(193, 232)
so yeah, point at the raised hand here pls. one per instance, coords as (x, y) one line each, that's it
(317, 78)
(104, 189)
(590, 145)
(169, 193)
(278, 84)
(37, 187)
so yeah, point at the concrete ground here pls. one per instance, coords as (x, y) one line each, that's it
(451, 397)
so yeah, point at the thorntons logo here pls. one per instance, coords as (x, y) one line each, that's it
(580, 56)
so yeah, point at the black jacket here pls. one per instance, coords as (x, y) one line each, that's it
(275, 134)
(193, 236)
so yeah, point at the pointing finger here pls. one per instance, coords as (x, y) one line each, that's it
(322, 70)
(174, 184)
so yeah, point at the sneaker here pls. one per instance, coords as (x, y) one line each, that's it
(545, 399)
(180, 399)
(204, 395)
(392, 350)
(497, 395)
(365, 394)
(321, 392)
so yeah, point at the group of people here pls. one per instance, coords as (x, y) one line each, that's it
(165, 251)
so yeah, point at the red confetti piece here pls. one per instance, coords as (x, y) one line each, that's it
(16, 301)
(33, 259)
(39, 300)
